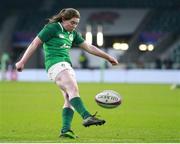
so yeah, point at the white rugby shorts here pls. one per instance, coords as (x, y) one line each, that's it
(57, 68)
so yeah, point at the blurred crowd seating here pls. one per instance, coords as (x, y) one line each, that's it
(175, 55)
(167, 20)
(164, 19)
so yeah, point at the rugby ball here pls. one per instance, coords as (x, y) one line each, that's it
(108, 99)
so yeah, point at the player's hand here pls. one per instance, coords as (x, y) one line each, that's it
(113, 60)
(19, 66)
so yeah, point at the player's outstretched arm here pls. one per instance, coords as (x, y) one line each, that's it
(96, 51)
(29, 51)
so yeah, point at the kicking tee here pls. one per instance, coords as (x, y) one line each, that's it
(57, 42)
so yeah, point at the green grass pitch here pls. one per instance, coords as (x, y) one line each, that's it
(31, 112)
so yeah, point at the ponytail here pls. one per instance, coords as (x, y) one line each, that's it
(65, 14)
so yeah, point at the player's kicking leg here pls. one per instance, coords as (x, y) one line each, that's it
(68, 82)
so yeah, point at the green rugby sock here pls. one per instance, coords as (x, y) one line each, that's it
(77, 103)
(67, 116)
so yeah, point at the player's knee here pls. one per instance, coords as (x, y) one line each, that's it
(73, 90)
(60, 84)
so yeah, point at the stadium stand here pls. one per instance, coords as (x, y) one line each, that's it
(158, 26)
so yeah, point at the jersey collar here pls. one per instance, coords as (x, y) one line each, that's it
(61, 26)
(63, 29)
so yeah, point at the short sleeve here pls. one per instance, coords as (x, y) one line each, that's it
(47, 32)
(78, 39)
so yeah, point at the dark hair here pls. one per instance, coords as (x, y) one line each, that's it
(65, 14)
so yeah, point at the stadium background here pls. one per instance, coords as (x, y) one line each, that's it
(133, 22)
(149, 113)
(155, 24)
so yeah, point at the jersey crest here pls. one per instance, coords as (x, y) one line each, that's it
(71, 37)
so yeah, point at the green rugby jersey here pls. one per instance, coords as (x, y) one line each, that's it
(57, 42)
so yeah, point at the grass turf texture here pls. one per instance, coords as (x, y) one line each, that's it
(31, 112)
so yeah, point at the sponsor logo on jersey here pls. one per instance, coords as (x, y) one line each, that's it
(61, 35)
(65, 46)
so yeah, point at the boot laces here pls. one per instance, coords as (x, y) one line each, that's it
(95, 115)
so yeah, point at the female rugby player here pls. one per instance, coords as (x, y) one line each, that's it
(57, 38)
